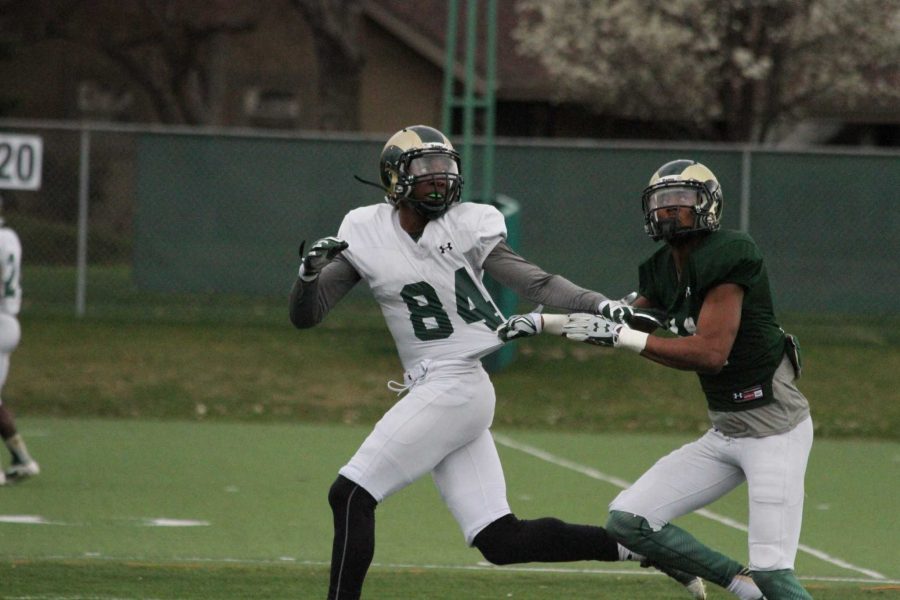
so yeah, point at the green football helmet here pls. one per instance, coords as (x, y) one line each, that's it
(421, 154)
(681, 183)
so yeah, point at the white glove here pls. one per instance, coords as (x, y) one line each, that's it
(322, 252)
(592, 329)
(520, 326)
(600, 331)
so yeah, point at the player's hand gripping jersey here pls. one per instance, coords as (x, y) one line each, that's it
(430, 291)
(724, 257)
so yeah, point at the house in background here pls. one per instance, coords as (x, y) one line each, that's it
(408, 39)
(268, 78)
(526, 98)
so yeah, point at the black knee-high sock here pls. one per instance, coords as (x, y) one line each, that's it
(509, 540)
(354, 538)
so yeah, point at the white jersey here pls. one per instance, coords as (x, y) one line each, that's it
(10, 267)
(430, 291)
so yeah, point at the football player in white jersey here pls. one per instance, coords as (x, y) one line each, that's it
(423, 255)
(22, 465)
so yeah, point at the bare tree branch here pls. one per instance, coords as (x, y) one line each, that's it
(163, 46)
(336, 26)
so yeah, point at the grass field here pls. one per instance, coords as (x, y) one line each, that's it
(188, 442)
(233, 358)
(134, 509)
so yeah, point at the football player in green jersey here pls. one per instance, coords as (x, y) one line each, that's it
(713, 289)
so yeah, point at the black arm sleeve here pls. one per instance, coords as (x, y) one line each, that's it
(535, 285)
(311, 300)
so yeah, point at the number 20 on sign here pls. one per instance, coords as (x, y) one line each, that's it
(20, 162)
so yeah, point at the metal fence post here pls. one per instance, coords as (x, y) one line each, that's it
(745, 190)
(84, 176)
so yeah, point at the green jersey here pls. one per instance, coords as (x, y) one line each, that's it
(722, 257)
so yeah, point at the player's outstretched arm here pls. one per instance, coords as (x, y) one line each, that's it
(325, 277)
(519, 326)
(533, 284)
(705, 351)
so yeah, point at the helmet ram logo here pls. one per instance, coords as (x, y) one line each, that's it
(407, 145)
(681, 183)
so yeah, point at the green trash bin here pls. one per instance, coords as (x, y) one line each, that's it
(506, 299)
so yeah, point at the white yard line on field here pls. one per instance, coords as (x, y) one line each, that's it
(621, 483)
(54, 597)
(481, 566)
(591, 571)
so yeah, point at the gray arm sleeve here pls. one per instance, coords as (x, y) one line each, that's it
(535, 285)
(311, 300)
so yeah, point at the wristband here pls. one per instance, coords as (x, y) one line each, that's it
(553, 324)
(631, 339)
(303, 276)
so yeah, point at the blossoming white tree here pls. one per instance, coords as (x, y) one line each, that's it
(731, 70)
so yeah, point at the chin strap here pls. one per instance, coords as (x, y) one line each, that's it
(372, 183)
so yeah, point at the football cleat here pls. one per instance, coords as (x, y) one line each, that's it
(746, 587)
(693, 584)
(696, 588)
(22, 471)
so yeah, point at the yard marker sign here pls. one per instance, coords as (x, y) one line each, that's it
(20, 162)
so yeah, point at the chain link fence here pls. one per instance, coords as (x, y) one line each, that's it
(185, 223)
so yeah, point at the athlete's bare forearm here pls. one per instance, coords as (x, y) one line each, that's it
(686, 354)
(707, 350)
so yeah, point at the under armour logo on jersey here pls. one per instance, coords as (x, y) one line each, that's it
(687, 292)
(754, 393)
(446, 248)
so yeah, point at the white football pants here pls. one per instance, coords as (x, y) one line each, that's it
(703, 471)
(440, 427)
(10, 333)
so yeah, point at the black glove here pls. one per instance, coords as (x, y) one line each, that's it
(625, 314)
(322, 252)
